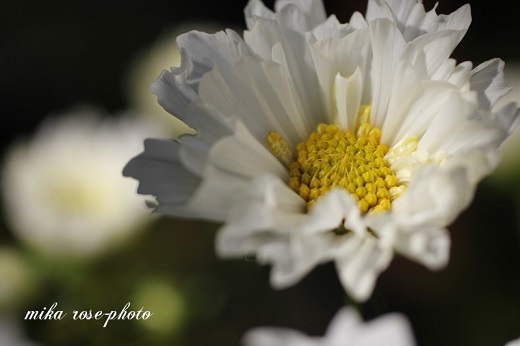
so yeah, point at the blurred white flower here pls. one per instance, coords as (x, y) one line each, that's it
(17, 279)
(63, 190)
(11, 333)
(345, 329)
(322, 141)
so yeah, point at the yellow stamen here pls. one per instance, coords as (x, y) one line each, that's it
(355, 161)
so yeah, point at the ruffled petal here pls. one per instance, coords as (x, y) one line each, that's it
(200, 52)
(273, 41)
(346, 100)
(388, 46)
(242, 155)
(301, 16)
(331, 28)
(264, 220)
(335, 208)
(434, 197)
(437, 47)
(313, 10)
(342, 56)
(160, 173)
(488, 80)
(359, 266)
(412, 19)
(508, 118)
(429, 246)
(452, 129)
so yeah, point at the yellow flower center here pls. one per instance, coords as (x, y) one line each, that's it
(332, 157)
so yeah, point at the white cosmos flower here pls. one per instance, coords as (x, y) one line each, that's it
(63, 190)
(387, 77)
(345, 329)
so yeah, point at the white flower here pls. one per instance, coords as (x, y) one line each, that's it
(345, 329)
(421, 122)
(12, 334)
(63, 191)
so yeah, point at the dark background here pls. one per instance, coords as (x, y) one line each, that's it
(56, 54)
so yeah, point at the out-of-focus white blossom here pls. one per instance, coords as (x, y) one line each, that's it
(345, 329)
(63, 190)
(12, 334)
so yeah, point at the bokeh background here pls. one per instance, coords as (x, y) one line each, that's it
(56, 55)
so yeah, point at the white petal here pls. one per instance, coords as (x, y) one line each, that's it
(252, 93)
(343, 56)
(508, 118)
(331, 28)
(488, 80)
(200, 52)
(358, 269)
(265, 220)
(437, 46)
(266, 206)
(232, 163)
(160, 173)
(313, 9)
(357, 21)
(263, 37)
(242, 155)
(390, 329)
(346, 328)
(215, 194)
(329, 212)
(434, 197)
(388, 47)
(345, 325)
(377, 9)
(427, 101)
(430, 246)
(452, 130)
(347, 93)
(240, 97)
(404, 91)
(412, 19)
(254, 10)
(275, 337)
(211, 126)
